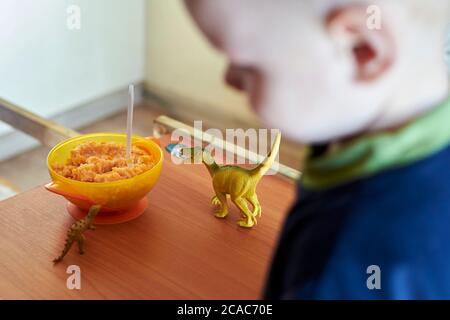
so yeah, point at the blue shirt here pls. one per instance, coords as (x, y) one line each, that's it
(397, 220)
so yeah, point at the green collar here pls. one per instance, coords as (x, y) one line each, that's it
(372, 153)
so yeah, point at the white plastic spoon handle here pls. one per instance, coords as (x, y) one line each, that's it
(130, 119)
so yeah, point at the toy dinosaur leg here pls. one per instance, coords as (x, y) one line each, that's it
(66, 249)
(249, 220)
(256, 206)
(215, 201)
(81, 242)
(223, 212)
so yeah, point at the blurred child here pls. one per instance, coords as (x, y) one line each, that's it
(372, 219)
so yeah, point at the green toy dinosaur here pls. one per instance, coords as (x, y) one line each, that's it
(75, 232)
(236, 182)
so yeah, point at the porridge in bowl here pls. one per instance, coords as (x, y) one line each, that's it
(93, 161)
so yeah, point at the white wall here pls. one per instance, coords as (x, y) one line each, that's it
(180, 60)
(48, 68)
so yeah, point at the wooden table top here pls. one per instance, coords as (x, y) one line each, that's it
(176, 250)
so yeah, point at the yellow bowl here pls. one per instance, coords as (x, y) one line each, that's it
(112, 196)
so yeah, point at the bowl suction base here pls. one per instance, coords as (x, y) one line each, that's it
(111, 217)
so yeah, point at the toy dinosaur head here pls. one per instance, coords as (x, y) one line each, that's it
(192, 155)
(197, 155)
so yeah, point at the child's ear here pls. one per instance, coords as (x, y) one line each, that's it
(372, 50)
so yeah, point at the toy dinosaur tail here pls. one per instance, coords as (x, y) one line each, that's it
(67, 247)
(264, 166)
